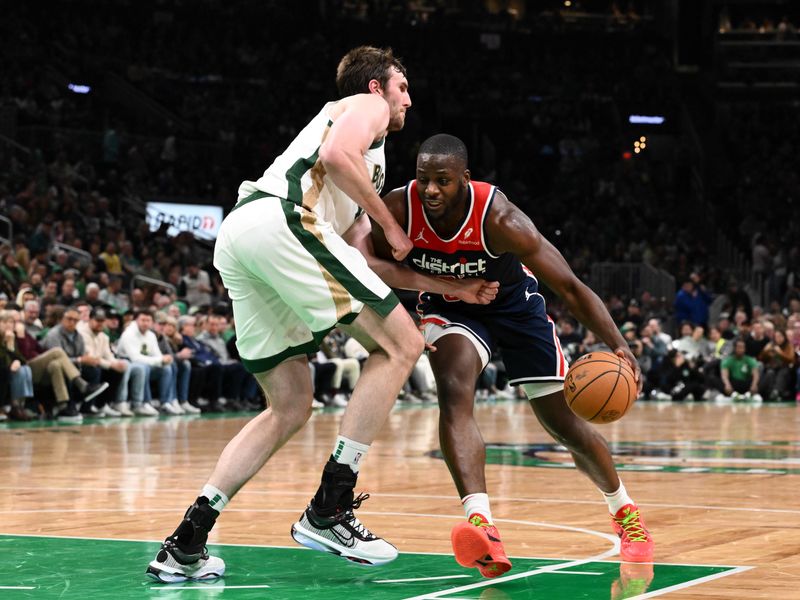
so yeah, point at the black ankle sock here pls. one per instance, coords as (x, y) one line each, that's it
(335, 490)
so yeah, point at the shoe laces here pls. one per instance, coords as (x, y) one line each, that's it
(631, 524)
(346, 514)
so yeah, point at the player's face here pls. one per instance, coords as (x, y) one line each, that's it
(441, 183)
(396, 94)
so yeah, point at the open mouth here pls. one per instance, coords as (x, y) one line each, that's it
(432, 203)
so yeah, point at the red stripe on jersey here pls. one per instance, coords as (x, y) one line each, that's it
(435, 321)
(562, 363)
(470, 235)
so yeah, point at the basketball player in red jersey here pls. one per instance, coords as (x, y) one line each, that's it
(463, 229)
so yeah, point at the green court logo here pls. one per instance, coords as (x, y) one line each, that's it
(734, 457)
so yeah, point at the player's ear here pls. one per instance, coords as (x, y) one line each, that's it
(375, 87)
(466, 176)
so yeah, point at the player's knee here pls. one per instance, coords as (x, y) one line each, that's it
(408, 350)
(294, 416)
(455, 395)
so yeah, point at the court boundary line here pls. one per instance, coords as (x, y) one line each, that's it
(303, 548)
(563, 563)
(377, 495)
(692, 583)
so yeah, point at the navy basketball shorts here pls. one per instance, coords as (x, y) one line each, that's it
(524, 333)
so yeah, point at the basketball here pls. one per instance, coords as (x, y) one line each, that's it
(600, 387)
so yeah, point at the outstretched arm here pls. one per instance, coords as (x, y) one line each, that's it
(363, 119)
(363, 235)
(510, 230)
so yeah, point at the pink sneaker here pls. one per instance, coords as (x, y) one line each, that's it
(477, 544)
(636, 543)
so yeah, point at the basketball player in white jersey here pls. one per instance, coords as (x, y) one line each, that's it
(292, 278)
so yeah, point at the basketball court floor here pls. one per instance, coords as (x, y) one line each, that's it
(84, 507)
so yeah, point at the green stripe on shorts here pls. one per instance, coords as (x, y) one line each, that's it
(382, 306)
(259, 365)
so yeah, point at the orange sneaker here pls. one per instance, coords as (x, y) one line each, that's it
(476, 544)
(636, 543)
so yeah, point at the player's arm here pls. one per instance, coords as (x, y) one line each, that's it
(365, 118)
(510, 230)
(369, 238)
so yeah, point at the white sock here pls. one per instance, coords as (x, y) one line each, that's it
(618, 499)
(216, 499)
(477, 503)
(348, 452)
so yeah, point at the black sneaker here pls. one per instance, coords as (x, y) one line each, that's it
(343, 535)
(94, 390)
(183, 555)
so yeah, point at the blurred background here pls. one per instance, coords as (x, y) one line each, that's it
(653, 142)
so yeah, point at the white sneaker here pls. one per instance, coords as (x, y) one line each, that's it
(317, 404)
(145, 409)
(107, 411)
(505, 394)
(756, 398)
(723, 399)
(340, 400)
(430, 397)
(190, 409)
(343, 535)
(166, 567)
(172, 408)
(124, 409)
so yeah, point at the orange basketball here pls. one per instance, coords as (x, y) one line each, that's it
(600, 387)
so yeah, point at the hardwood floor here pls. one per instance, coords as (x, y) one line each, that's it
(718, 485)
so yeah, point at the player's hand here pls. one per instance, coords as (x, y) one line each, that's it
(475, 291)
(429, 347)
(399, 241)
(625, 353)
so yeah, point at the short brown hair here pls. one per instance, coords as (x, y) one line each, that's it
(363, 64)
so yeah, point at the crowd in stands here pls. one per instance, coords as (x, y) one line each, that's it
(86, 159)
(723, 348)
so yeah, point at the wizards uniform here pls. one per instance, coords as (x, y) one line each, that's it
(515, 321)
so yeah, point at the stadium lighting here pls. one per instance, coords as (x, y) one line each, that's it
(79, 89)
(646, 119)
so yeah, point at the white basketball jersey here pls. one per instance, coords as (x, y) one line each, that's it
(299, 176)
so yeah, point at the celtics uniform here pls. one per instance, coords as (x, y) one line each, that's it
(290, 275)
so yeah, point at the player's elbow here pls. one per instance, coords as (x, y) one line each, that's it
(572, 291)
(333, 157)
